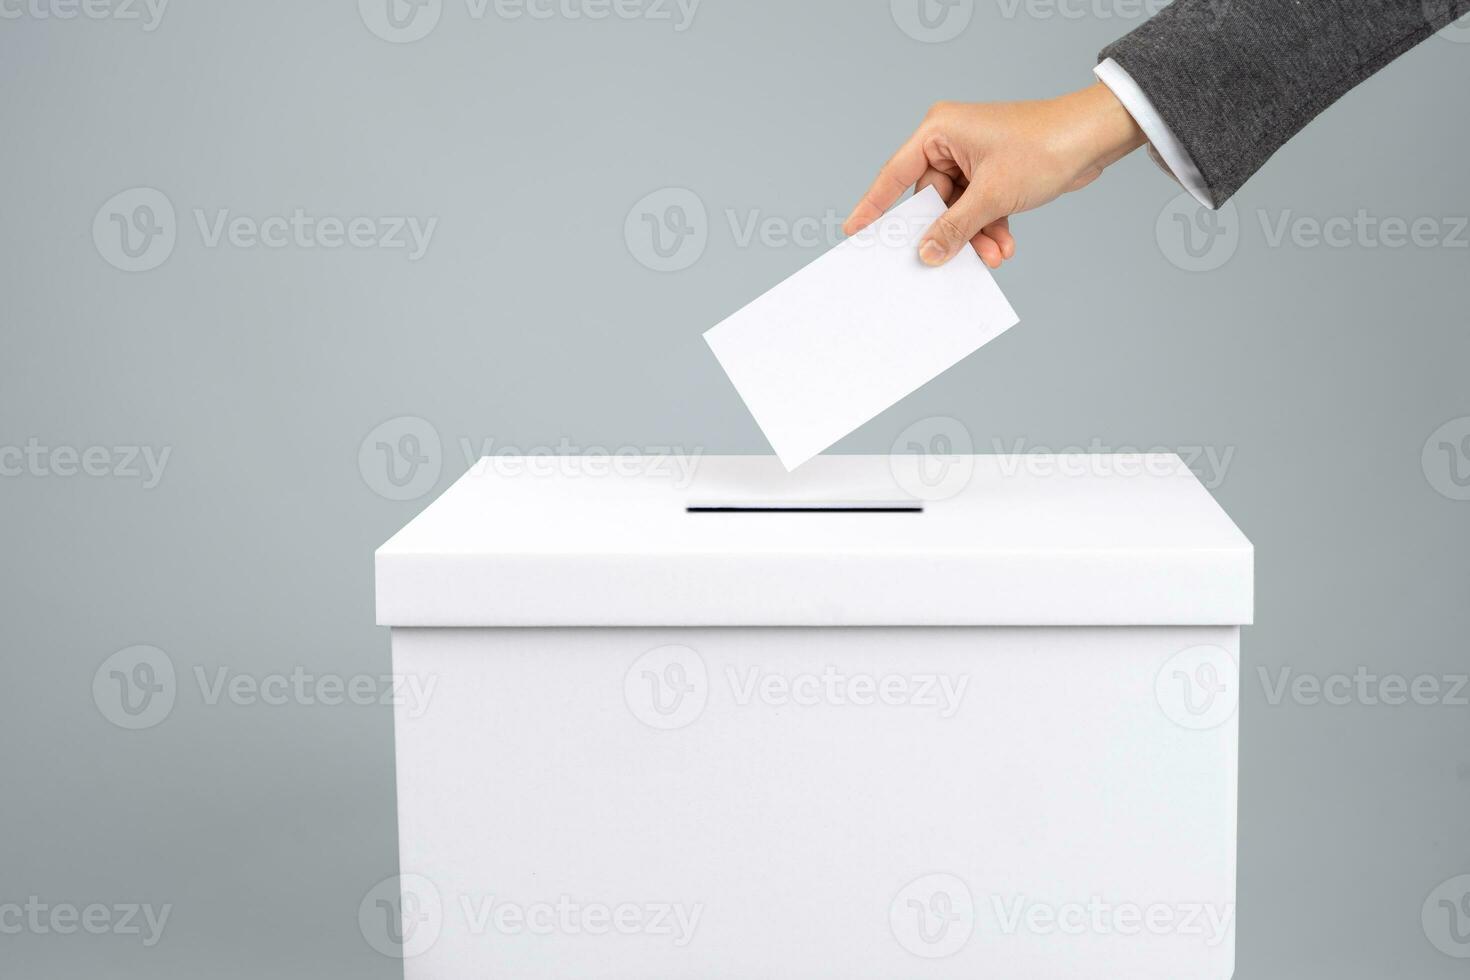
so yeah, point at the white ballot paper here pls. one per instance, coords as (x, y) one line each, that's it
(857, 330)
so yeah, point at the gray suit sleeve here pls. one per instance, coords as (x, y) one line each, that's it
(1235, 79)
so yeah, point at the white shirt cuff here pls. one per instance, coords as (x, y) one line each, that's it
(1163, 146)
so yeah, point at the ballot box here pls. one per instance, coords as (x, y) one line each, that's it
(883, 717)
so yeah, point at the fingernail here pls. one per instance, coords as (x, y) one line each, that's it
(932, 253)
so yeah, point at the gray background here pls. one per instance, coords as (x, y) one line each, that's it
(531, 320)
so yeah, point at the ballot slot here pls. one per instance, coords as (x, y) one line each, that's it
(806, 507)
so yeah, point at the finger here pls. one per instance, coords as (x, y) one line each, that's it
(1000, 232)
(897, 175)
(988, 249)
(941, 182)
(957, 226)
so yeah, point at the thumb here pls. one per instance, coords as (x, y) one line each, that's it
(955, 227)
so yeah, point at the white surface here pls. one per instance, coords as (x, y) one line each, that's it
(1070, 772)
(1003, 540)
(857, 330)
(1164, 146)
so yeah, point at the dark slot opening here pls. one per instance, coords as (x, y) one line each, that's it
(914, 508)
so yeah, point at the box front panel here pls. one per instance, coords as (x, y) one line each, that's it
(803, 803)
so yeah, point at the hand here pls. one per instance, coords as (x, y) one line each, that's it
(992, 160)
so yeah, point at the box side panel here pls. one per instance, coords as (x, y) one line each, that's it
(813, 803)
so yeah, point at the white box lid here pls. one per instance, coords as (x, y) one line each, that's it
(1026, 540)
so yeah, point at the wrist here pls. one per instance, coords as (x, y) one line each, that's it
(1104, 131)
